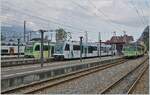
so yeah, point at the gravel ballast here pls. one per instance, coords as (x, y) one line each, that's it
(96, 82)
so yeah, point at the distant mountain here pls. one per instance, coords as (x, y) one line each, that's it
(145, 36)
(13, 33)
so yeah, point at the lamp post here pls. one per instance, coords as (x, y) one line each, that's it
(24, 31)
(42, 41)
(100, 45)
(81, 48)
(18, 47)
(49, 47)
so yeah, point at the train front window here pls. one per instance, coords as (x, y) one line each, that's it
(59, 48)
(46, 47)
(37, 48)
(67, 47)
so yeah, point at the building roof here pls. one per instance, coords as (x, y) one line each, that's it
(120, 39)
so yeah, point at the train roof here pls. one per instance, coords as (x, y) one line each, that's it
(37, 42)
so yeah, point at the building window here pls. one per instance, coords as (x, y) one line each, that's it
(90, 49)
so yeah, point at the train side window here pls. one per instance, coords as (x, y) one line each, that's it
(37, 48)
(4, 51)
(82, 49)
(67, 47)
(52, 50)
(95, 48)
(90, 50)
(3, 44)
(76, 47)
(45, 47)
(9, 44)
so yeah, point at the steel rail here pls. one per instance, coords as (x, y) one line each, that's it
(104, 91)
(136, 81)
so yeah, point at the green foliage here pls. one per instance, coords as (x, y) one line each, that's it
(61, 34)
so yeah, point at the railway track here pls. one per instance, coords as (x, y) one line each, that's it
(41, 85)
(125, 81)
(136, 82)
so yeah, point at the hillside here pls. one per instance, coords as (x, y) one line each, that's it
(145, 36)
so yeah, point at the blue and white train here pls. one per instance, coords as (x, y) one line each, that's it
(71, 50)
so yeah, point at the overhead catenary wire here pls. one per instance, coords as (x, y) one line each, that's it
(58, 19)
(144, 18)
(70, 26)
(76, 33)
(109, 20)
(48, 20)
(147, 3)
(138, 13)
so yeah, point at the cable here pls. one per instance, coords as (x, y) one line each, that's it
(47, 20)
(147, 3)
(48, 7)
(107, 18)
(136, 9)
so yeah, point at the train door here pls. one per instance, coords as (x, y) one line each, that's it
(71, 51)
(11, 50)
(85, 50)
(45, 51)
(76, 51)
(67, 53)
(36, 51)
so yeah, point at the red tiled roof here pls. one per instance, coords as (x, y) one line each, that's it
(120, 39)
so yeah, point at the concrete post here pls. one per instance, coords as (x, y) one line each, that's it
(42, 57)
(81, 48)
(49, 49)
(24, 31)
(100, 49)
(18, 47)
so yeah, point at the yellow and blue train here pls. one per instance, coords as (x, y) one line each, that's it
(33, 50)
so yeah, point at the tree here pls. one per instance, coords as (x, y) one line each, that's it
(61, 34)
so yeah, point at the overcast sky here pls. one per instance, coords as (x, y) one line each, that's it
(77, 16)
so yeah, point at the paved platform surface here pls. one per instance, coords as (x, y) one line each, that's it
(10, 56)
(19, 59)
(12, 71)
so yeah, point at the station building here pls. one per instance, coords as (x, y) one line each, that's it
(118, 41)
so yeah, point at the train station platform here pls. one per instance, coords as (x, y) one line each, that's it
(11, 57)
(19, 75)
